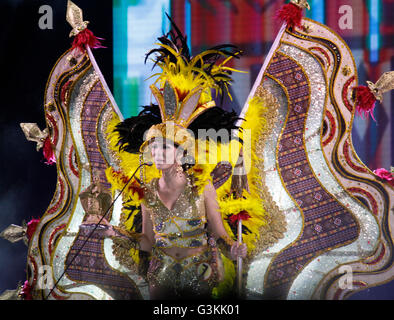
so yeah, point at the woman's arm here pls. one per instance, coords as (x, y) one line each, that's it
(216, 227)
(144, 240)
(215, 222)
(147, 230)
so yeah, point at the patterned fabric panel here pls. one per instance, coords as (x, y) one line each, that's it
(327, 224)
(90, 266)
(93, 106)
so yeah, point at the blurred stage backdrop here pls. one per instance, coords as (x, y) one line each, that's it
(130, 28)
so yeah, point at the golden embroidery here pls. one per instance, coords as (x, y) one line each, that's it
(275, 227)
(346, 70)
(194, 275)
(182, 226)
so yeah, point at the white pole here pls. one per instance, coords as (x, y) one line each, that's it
(259, 78)
(104, 83)
(239, 259)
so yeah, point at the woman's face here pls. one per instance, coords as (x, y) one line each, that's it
(163, 153)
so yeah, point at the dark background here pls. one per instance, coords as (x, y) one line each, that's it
(26, 58)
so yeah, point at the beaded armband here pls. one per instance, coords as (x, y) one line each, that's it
(225, 243)
(228, 240)
(126, 239)
(123, 243)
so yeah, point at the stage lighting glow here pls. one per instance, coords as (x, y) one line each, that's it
(374, 7)
(143, 22)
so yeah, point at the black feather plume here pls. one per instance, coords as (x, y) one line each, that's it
(178, 42)
(216, 118)
(131, 130)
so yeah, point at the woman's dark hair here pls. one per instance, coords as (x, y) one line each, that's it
(131, 131)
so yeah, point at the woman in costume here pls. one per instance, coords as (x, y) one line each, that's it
(181, 221)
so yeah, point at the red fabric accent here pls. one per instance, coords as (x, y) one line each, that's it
(49, 155)
(31, 227)
(234, 218)
(290, 14)
(26, 291)
(365, 101)
(64, 90)
(86, 37)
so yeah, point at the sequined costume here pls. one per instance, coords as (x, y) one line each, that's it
(183, 226)
(185, 106)
(192, 276)
(296, 192)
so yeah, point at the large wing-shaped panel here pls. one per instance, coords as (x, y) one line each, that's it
(336, 210)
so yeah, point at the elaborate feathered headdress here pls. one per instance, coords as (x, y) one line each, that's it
(183, 91)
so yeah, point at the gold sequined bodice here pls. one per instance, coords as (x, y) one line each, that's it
(184, 225)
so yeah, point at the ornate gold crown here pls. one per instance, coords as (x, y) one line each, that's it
(184, 111)
(185, 83)
(176, 114)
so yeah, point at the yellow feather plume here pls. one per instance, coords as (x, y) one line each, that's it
(225, 287)
(185, 76)
(251, 202)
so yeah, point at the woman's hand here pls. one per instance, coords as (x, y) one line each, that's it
(238, 250)
(110, 232)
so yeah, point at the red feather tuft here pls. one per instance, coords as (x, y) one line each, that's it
(234, 218)
(365, 101)
(135, 188)
(384, 174)
(84, 38)
(49, 155)
(31, 227)
(26, 291)
(290, 14)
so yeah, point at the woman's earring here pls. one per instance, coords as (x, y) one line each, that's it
(142, 172)
(187, 162)
(179, 169)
